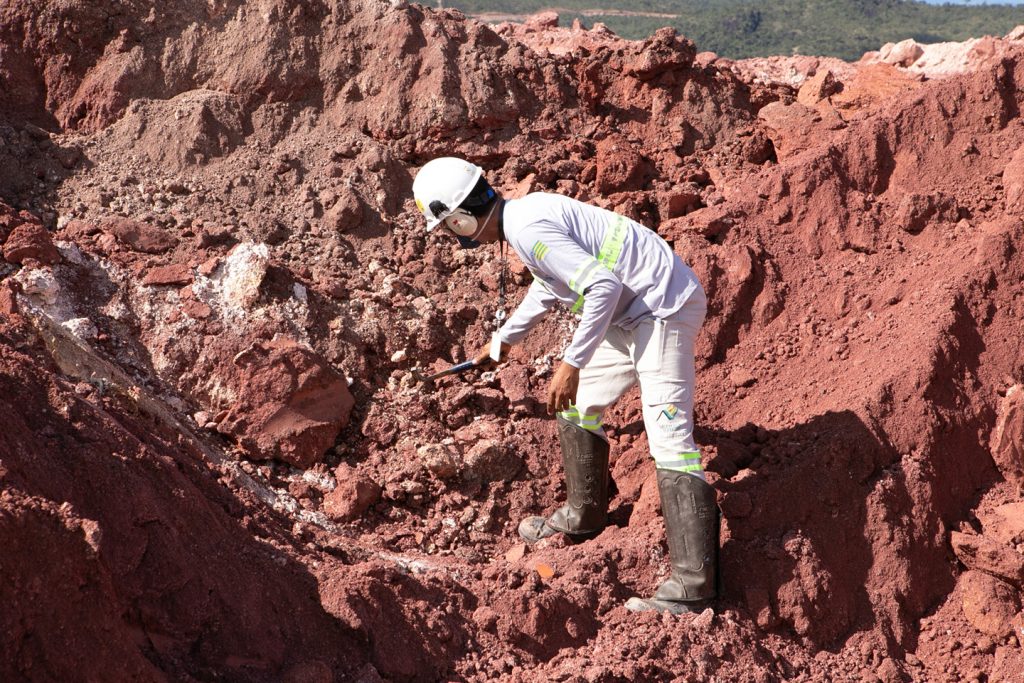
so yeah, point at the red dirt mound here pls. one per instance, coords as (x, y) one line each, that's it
(214, 287)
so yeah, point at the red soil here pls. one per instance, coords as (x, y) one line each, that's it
(241, 286)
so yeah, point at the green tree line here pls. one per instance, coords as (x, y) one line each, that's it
(746, 28)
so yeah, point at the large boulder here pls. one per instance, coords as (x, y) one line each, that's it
(620, 166)
(982, 553)
(30, 241)
(1007, 444)
(1013, 181)
(989, 604)
(289, 403)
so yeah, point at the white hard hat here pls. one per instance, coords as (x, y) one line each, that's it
(442, 185)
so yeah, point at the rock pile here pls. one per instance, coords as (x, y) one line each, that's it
(214, 287)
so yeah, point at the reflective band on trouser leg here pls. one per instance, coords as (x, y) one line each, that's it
(570, 415)
(611, 247)
(682, 462)
(589, 421)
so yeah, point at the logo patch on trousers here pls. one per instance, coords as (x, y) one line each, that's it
(670, 412)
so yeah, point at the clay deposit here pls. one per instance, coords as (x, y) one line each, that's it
(216, 464)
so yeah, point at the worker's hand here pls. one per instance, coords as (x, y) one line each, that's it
(562, 392)
(483, 356)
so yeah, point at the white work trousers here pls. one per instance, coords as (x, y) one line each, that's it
(658, 354)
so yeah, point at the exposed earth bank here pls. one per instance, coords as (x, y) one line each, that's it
(215, 460)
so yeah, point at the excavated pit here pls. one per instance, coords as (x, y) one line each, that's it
(216, 462)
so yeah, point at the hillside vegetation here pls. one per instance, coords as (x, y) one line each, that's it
(744, 28)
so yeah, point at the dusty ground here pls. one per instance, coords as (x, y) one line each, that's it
(215, 464)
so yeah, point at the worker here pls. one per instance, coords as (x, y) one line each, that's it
(640, 309)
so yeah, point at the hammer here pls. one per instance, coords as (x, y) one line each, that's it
(453, 370)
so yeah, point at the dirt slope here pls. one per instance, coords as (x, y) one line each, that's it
(214, 287)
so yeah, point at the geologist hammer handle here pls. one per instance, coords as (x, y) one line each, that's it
(453, 370)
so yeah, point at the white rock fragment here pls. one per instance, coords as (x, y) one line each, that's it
(39, 284)
(242, 273)
(234, 287)
(83, 328)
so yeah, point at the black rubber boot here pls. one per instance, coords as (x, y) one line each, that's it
(585, 459)
(691, 527)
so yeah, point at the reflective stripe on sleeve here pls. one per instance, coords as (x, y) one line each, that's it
(611, 247)
(578, 306)
(583, 275)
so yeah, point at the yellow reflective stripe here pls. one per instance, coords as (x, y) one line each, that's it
(682, 462)
(591, 428)
(540, 250)
(578, 306)
(572, 415)
(611, 247)
(583, 275)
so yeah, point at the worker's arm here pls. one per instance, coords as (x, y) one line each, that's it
(534, 307)
(599, 289)
(536, 304)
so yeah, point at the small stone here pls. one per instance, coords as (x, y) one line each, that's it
(139, 236)
(173, 274)
(441, 460)
(196, 310)
(515, 553)
(816, 88)
(760, 606)
(704, 621)
(207, 267)
(490, 462)
(985, 554)
(301, 489)
(353, 495)
(741, 377)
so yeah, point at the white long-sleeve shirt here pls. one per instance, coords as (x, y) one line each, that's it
(611, 270)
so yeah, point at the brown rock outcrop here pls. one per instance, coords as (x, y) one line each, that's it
(989, 604)
(173, 274)
(352, 496)
(289, 404)
(30, 240)
(1007, 443)
(139, 236)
